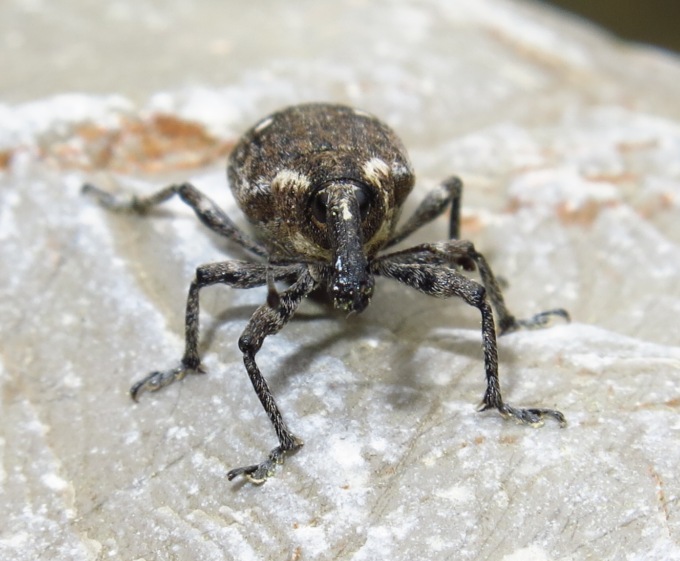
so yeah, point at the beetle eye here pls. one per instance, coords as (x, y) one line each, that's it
(364, 202)
(320, 206)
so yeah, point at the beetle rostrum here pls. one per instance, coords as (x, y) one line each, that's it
(323, 186)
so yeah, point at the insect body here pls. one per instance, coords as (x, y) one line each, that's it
(323, 186)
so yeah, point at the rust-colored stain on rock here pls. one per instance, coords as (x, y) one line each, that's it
(157, 144)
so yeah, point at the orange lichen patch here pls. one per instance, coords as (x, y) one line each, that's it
(513, 205)
(5, 158)
(626, 147)
(157, 144)
(675, 402)
(653, 405)
(509, 439)
(652, 206)
(471, 224)
(584, 214)
(614, 178)
(660, 492)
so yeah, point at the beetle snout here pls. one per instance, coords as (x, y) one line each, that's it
(351, 283)
(352, 294)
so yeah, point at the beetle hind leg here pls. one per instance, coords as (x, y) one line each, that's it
(205, 209)
(507, 322)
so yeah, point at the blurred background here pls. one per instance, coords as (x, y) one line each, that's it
(86, 45)
(656, 22)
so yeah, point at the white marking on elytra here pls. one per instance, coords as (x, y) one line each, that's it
(375, 170)
(291, 179)
(263, 124)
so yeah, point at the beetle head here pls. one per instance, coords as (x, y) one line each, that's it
(340, 208)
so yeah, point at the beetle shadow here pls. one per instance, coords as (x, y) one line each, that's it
(462, 338)
(413, 321)
(297, 361)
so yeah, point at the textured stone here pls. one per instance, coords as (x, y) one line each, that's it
(569, 145)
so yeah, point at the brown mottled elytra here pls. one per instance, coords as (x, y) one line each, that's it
(323, 186)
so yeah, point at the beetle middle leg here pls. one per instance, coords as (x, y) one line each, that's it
(444, 282)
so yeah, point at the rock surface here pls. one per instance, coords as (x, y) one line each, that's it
(569, 145)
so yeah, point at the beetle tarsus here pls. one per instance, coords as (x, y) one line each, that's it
(538, 321)
(533, 417)
(259, 473)
(161, 378)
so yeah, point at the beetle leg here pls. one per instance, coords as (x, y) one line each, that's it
(506, 321)
(237, 274)
(462, 253)
(447, 193)
(207, 211)
(268, 320)
(444, 282)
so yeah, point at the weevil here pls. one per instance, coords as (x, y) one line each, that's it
(323, 186)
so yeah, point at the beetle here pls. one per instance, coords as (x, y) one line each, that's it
(323, 186)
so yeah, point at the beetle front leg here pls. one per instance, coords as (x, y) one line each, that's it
(288, 442)
(462, 253)
(268, 320)
(492, 396)
(237, 274)
(443, 282)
